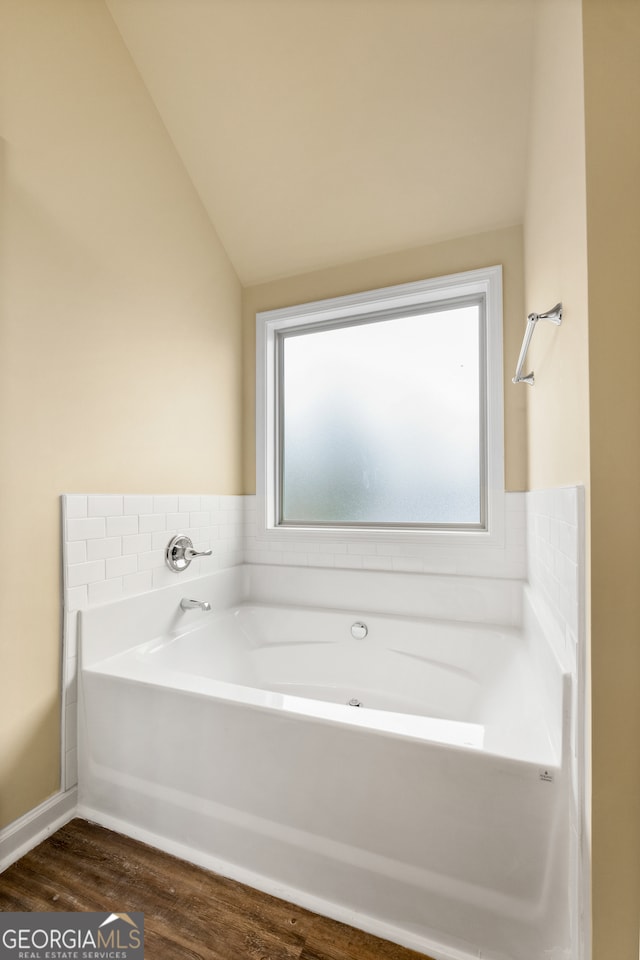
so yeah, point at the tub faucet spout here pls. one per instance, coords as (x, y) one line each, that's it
(187, 604)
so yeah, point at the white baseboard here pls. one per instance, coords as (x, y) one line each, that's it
(28, 831)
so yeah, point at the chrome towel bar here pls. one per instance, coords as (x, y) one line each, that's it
(554, 316)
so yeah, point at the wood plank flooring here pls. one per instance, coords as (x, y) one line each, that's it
(189, 913)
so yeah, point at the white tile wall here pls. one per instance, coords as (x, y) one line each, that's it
(508, 562)
(555, 547)
(109, 539)
(113, 546)
(556, 559)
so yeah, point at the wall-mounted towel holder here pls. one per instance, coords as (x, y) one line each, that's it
(555, 316)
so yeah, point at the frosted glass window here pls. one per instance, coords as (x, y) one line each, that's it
(382, 421)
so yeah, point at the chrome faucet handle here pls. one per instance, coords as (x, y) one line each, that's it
(180, 553)
(191, 554)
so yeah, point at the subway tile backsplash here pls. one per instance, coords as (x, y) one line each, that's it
(114, 546)
(508, 561)
(555, 561)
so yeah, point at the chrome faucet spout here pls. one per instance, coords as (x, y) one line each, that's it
(187, 604)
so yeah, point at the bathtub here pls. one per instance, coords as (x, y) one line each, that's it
(398, 771)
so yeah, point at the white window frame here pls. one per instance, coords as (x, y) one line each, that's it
(485, 283)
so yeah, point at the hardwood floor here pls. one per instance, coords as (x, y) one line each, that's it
(190, 913)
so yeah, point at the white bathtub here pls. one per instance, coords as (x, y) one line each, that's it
(434, 814)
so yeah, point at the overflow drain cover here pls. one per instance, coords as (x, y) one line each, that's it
(354, 702)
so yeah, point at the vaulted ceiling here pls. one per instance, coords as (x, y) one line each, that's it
(317, 132)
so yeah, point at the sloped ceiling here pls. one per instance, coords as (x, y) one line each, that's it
(323, 131)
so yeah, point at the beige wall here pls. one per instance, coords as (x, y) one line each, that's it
(555, 245)
(466, 253)
(555, 240)
(584, 411)
(120, 359)
(320, 132)
(612, 99)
